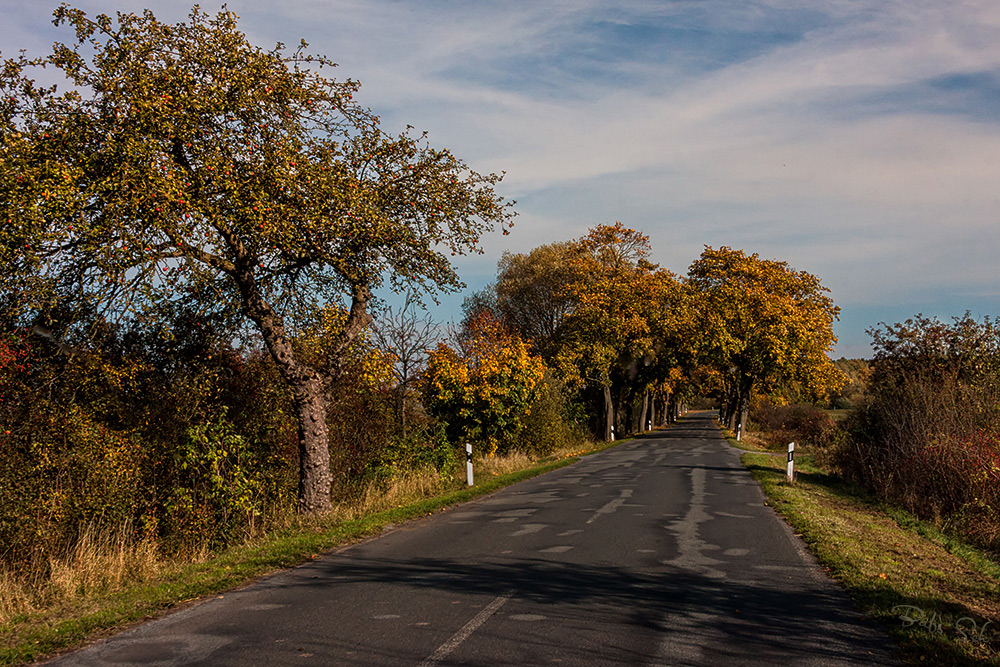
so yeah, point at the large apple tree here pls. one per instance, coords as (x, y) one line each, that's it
(181, 159)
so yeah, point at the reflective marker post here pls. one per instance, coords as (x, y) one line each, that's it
(468, 463)
(791, 462)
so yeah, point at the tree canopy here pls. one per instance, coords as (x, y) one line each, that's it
(533, 291)
(182, 159)
(619, 300)
(761, 322)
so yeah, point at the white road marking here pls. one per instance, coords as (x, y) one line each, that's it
(555, 550)
(466, 631)
(612, 506)
(529, 528)
(264, 607)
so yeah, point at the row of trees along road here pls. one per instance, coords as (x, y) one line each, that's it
(182, 160)
(630, 335)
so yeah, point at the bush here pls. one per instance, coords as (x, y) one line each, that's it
(61, 472)
(218, 485)
(130, 436)
(421, 448)
(485, 393)
(553, 420)
(801, 423)
(926, 438)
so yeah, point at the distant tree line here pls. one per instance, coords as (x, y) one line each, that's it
(633, 341)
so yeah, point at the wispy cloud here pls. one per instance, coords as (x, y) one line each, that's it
(857, 139)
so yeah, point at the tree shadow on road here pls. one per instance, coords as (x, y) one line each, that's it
(709, 620)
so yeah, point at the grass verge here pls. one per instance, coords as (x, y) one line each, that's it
(940, 599)
(74, 620)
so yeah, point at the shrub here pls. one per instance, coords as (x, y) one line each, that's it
(801, 423)
(553, 421)
(926, 436)
(62, 471)
(420, 448)
(218, 485)
(486, 394)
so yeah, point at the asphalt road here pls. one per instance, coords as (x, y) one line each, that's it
(658, 552)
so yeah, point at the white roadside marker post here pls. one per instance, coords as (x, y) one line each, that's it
(468, 463)
(791, 462)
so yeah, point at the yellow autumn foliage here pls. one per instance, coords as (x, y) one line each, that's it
(484, 395)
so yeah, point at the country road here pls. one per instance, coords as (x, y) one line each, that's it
(658, 552)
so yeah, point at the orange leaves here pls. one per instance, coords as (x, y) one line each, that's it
(616, 247)
(618, 303)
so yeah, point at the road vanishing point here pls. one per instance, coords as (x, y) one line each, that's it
(660, 551)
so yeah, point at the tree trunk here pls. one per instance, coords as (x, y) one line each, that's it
(644, 412)
(310, 409)
(314, 448)
(609, 415)
(306, 384)
(743, 407)
(732, 409)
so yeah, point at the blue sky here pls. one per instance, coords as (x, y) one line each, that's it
(858, 140)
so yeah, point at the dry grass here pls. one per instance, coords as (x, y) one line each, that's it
(427, 483)
(97, 563)
(402, 490)
(501, 465)
(16, 596)
(102, 564)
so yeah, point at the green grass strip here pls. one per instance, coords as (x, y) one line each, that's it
(896, 568)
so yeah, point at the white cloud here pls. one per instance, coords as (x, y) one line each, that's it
(773, 146)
